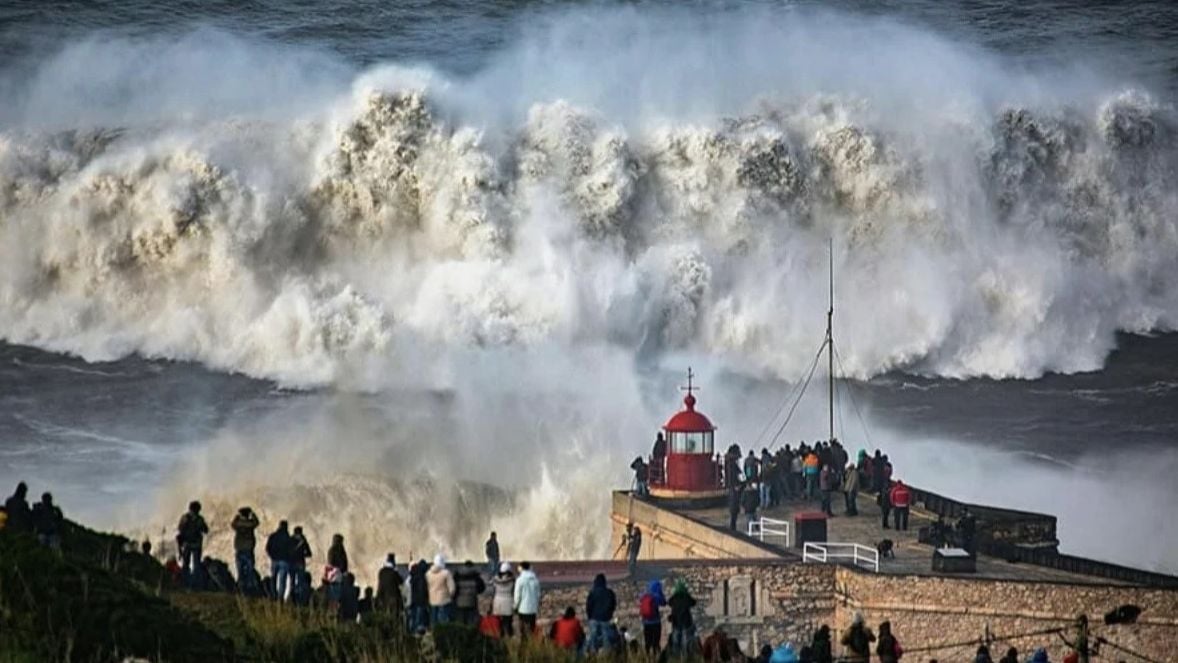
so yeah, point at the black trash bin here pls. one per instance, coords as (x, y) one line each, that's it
(809, 527)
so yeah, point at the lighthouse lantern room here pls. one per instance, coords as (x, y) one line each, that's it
(692, 468)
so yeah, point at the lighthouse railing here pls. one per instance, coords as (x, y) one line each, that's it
(856, 553)
(763, 527)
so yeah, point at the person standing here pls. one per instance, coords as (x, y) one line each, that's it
(857, 641)
(503, 599)
(599, 610)
(851, 490)
(527, 599)
(491, 548)
(279, 549)
(190, 539)
(901, 499)
(468, 585)
(884, 500)
(810, 469)
(658, 459)
(641, 476)
(821, 646)
(751, 500)
(300, 580)
(388, 587)
(752, 467)
(47, 522)
(20, 516)
(633, 546)
(441, 591)
(244, 542)
(735, 493)
(418, 592)
(649, 610)
(826, 484)
(682, 622)
(888, 649)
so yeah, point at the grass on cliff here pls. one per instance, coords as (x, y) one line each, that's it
(100, 602)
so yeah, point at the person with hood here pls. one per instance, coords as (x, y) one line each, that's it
(491, 550)
(567, 632)
(857, 641)
(649, 611)
(1011, 656)
(441, 591)
(20, 516)
(388, 587)
(300, 552)
(527, 599)
(503, 598)
(1040, 656)
(279, 550)
(244, 542)
(821, 646)
(784, 654)
(418, 595)
(190, 535)
(682, 622)
(641, 476)
(47, 522)
(765, 654)
(851, 490)
(599, 610)
(901, 499)
(468, 584)
(877, 472)
(983, 655)
(888, 649)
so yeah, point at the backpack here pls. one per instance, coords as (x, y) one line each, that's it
(647, 608)
(897, 649)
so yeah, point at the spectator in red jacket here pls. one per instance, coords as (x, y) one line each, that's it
(567, 632)
(901, 500)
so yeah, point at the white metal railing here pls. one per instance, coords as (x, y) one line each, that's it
(856, 553)
(763, 527)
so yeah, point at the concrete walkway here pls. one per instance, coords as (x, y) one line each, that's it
(912, 557)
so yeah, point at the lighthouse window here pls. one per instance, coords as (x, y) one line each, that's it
(691, 443)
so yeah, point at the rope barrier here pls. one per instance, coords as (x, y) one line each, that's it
(793, 409)
(793, 392)
(978, 641)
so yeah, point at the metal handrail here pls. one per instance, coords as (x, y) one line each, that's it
(763, 527)
(858, 553)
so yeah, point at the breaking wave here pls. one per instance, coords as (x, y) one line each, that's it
(975, 234)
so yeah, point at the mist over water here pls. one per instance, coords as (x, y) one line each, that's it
(488, 278)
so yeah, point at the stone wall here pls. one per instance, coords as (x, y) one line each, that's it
(927, 611)
(759, 602)
(754, 602)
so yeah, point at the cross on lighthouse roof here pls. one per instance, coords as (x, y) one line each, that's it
(689, 400)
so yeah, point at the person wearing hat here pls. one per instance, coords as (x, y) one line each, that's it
(857, 641)
(503, 601)
(441, 591)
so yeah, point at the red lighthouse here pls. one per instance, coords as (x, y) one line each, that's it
(692, 468)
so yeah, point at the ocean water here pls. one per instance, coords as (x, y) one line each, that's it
(413, 271)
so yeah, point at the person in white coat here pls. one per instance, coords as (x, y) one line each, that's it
(527, 599)
(503, 603)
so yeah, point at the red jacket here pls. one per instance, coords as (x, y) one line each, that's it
(901, 496)
(567, 633)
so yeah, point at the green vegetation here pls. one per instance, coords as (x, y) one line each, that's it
(99, 602)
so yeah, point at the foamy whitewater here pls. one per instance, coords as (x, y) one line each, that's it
(619, 189)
